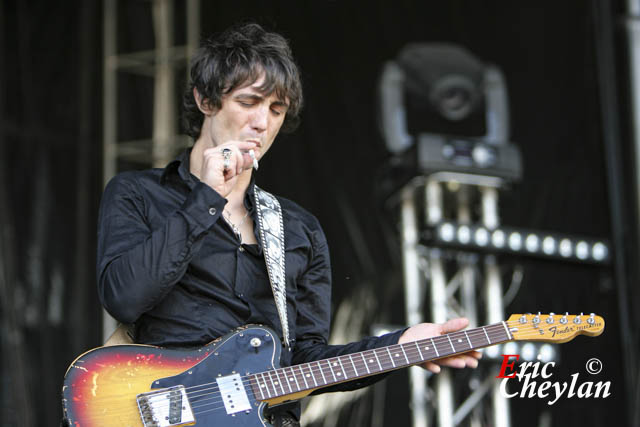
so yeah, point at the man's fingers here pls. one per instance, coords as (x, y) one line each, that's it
(432, 367)
(239, 161)
(454, 325)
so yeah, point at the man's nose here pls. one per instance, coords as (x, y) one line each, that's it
(259, 119)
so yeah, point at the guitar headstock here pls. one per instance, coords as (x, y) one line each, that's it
(553, 328)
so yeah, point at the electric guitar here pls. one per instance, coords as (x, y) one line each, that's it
(230, 381)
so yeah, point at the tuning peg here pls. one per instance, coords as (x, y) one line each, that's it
(550, 318)
(578, 319)
(563, 319)
(536, 319)
(523, 319)
(591, 320)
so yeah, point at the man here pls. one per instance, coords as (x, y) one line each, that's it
(179, 254)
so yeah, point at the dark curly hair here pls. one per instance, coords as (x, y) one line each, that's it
(238, 57)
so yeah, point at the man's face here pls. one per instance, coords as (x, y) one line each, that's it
(246, 115)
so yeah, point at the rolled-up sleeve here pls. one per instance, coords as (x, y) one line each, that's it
(137, 265)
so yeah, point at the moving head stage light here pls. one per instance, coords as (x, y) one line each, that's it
(452, 108)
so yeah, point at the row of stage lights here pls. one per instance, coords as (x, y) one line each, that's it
(527, 242)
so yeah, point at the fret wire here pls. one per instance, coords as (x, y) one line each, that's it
(485, 333)
(375, 353)
(419, 351)
(261, 388)
(313, 376)
(468, 340)
(354, 366)
(295, 379)
(273, 386)
(304, 378)
(366, 365)
(331, 369)
(322, 372)
(457, 336)
(391, 357)
(434, 347)
(278, 382)
(405, 354)
(281, 373)
(451, 342)
(342, 367)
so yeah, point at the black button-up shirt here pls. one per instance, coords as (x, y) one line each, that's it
(168, 262)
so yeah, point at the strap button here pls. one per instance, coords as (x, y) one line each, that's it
(212, 211)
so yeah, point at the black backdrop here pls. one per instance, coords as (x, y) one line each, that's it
(50, 109)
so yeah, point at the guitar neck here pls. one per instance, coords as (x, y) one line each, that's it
(296, 380)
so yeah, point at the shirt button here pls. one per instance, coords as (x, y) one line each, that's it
(240, 249)
(212, 211)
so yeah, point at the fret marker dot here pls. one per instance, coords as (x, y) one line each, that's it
(459, 340)
(261, 385)
(397, 355)
(426, 348)
(290, 378)
(335, 364)
(339, 373)
(370, 360)
(308, 375)
(276, 383)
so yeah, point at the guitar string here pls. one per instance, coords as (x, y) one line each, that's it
(440, 340)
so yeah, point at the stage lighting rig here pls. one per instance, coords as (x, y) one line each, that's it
(518, 241)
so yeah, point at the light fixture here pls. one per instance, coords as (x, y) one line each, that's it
(582, 250)
(519, 241)
(464, 234)
(565, 248)
(498, 239)
(447, 232)
(599, 251)
(532, 243)
(482, 236)
(515, 241)
(549, 245)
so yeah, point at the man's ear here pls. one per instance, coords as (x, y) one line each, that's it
(203, 106)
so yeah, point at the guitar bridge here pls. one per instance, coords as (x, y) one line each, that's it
(165, 408)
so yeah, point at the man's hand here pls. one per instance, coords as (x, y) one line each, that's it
(214, 173)
(428, 330)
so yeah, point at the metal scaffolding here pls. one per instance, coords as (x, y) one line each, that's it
(452, 282)
(158, 64)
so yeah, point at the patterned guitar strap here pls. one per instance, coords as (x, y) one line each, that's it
(272, 239)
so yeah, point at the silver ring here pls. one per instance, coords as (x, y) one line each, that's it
(226, 154)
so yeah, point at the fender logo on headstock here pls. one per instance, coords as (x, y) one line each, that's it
(555, 331)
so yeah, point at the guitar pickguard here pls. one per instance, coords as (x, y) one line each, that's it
(245, 352)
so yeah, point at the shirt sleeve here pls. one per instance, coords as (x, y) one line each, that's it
(314, 317)
(137, 265)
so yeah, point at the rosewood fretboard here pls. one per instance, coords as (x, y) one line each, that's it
(323, 373)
